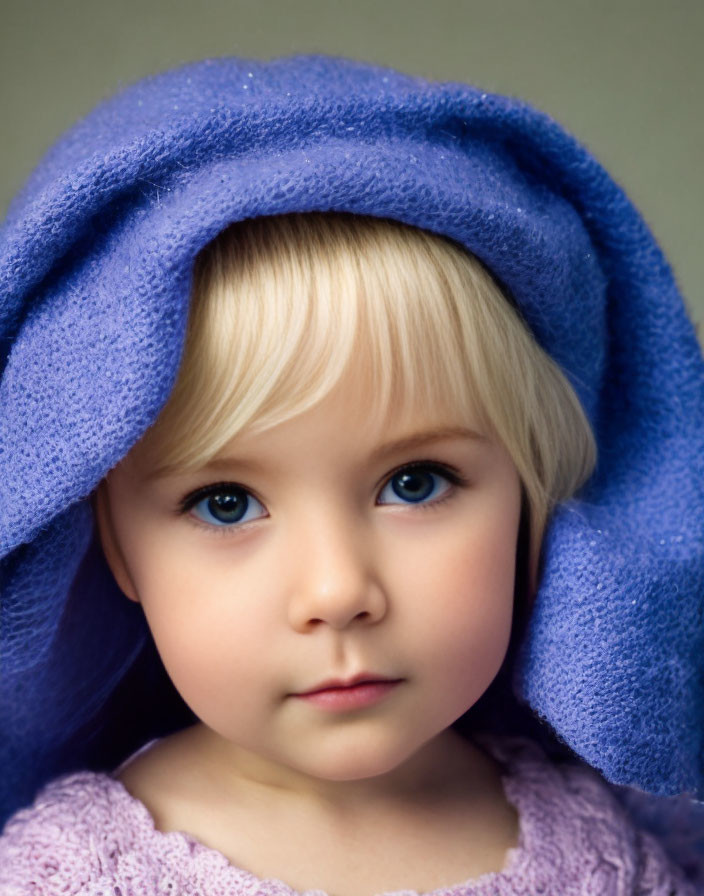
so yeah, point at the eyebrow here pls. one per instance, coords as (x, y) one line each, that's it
(419, 439)
(415, 440)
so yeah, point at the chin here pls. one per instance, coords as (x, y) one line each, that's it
(357, 762)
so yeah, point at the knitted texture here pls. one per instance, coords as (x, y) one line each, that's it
(96, 257)
(86, 834)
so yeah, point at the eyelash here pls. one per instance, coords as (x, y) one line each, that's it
(447, 471)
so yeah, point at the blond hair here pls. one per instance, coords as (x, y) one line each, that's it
(282, 305)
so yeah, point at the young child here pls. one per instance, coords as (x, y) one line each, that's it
(352, 502)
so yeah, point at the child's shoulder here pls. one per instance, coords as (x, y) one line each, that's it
(74, 837)
(86, 834)
(74, 800)
(573, 820)
(65, 838)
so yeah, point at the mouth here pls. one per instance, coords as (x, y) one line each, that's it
(336, 684)
(358, 693)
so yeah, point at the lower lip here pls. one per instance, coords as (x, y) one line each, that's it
(356, 697)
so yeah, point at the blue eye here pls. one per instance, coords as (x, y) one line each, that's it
(226, 506)
(415, 485)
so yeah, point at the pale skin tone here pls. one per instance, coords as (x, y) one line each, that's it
(330, 571)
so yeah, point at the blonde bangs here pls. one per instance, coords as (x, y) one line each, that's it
(283, 307)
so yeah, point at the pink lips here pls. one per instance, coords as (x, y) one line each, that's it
(363, 690)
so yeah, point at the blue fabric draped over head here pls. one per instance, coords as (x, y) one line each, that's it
(96, 256)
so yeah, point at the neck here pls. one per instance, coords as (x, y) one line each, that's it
(448, 766)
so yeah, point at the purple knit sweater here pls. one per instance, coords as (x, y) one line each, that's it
(85, 834)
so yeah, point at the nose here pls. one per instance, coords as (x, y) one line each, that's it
(336, 582)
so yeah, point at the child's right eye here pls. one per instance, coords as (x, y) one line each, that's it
(223, 506)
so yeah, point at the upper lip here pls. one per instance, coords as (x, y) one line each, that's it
(348, 682)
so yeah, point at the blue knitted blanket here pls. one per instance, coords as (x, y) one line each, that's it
(95, 265)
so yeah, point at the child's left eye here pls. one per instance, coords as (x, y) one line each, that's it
(417, 484)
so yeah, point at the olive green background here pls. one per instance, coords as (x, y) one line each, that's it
(624, 76)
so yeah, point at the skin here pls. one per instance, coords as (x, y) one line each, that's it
(332, 573)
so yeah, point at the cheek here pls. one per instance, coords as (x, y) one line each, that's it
(471, 573)
(463, 605)
(202, 615)
(211, 653)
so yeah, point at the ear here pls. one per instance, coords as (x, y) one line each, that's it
(109, 543)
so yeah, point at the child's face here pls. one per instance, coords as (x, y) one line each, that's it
(338, 566)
